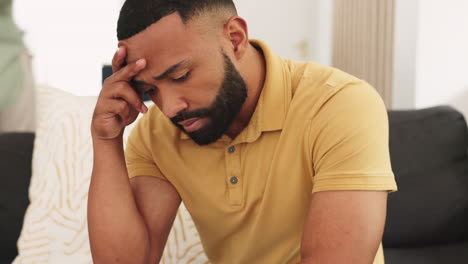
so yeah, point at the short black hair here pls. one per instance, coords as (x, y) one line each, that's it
(137, 15)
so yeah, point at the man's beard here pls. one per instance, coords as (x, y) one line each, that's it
(222, 112)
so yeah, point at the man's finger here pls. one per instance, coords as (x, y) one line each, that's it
(117, 106)
(123, 90)
(118, 60)
(129, 71)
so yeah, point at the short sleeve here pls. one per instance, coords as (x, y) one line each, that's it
(138, 151)
(349, 141)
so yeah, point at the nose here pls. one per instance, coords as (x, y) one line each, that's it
(172, 104)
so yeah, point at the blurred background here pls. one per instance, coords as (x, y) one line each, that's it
(413, 51)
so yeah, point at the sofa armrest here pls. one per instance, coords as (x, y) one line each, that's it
(15, 163)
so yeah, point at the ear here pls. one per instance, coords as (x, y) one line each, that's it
(235, 29)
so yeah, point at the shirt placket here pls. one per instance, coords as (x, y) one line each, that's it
(233, 175)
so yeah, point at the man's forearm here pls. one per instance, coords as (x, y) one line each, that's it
(116, 229)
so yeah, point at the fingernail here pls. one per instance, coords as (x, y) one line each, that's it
(119, 50)
(140, 62)
(144, 109)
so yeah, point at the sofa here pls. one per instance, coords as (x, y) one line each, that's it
(15, 159)
(427, 219)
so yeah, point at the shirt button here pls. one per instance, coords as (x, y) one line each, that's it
(232, 149)
(234, 180)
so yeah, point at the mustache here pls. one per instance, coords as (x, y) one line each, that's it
(182, 116)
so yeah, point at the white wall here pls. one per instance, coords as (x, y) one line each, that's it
(285, 26)
(431, 54)
(442, 59)
(405, 60)
(71, 40)
(273, 22)
(321, 32)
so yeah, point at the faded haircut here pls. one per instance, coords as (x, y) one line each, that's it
(137, 15)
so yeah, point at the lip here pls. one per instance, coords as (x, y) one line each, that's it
(191, 124)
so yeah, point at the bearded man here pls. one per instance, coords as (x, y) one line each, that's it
(277, 161)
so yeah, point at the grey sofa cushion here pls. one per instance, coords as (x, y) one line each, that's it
(15, 163)
(429, 158)
(445, 254)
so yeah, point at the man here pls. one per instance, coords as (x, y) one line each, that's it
(277, 161)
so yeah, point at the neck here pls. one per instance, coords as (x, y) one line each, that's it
(253, 71)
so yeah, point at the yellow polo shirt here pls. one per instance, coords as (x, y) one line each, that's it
(315, 129)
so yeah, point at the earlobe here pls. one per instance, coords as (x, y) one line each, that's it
(236, 30)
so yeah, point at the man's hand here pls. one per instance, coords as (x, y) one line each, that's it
(118, 104)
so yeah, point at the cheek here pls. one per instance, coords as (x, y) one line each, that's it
(203, 91)
(156, 100)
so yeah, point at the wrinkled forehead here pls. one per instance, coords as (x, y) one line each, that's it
(166, 39)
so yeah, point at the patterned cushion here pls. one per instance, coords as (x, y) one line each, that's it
(55, 228)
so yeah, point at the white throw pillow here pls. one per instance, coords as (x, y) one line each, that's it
(55, 227)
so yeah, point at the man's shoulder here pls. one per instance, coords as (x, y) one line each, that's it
(314, 75)
(314, 85)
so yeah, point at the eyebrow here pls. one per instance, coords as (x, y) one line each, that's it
(165, 74)
(173, 68)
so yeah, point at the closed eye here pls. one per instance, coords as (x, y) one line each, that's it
(182, 78)
(150, 91)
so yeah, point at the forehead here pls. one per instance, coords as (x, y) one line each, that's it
(166, 42)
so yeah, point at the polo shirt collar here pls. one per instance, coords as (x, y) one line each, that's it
(275, 95)
(271, 108)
